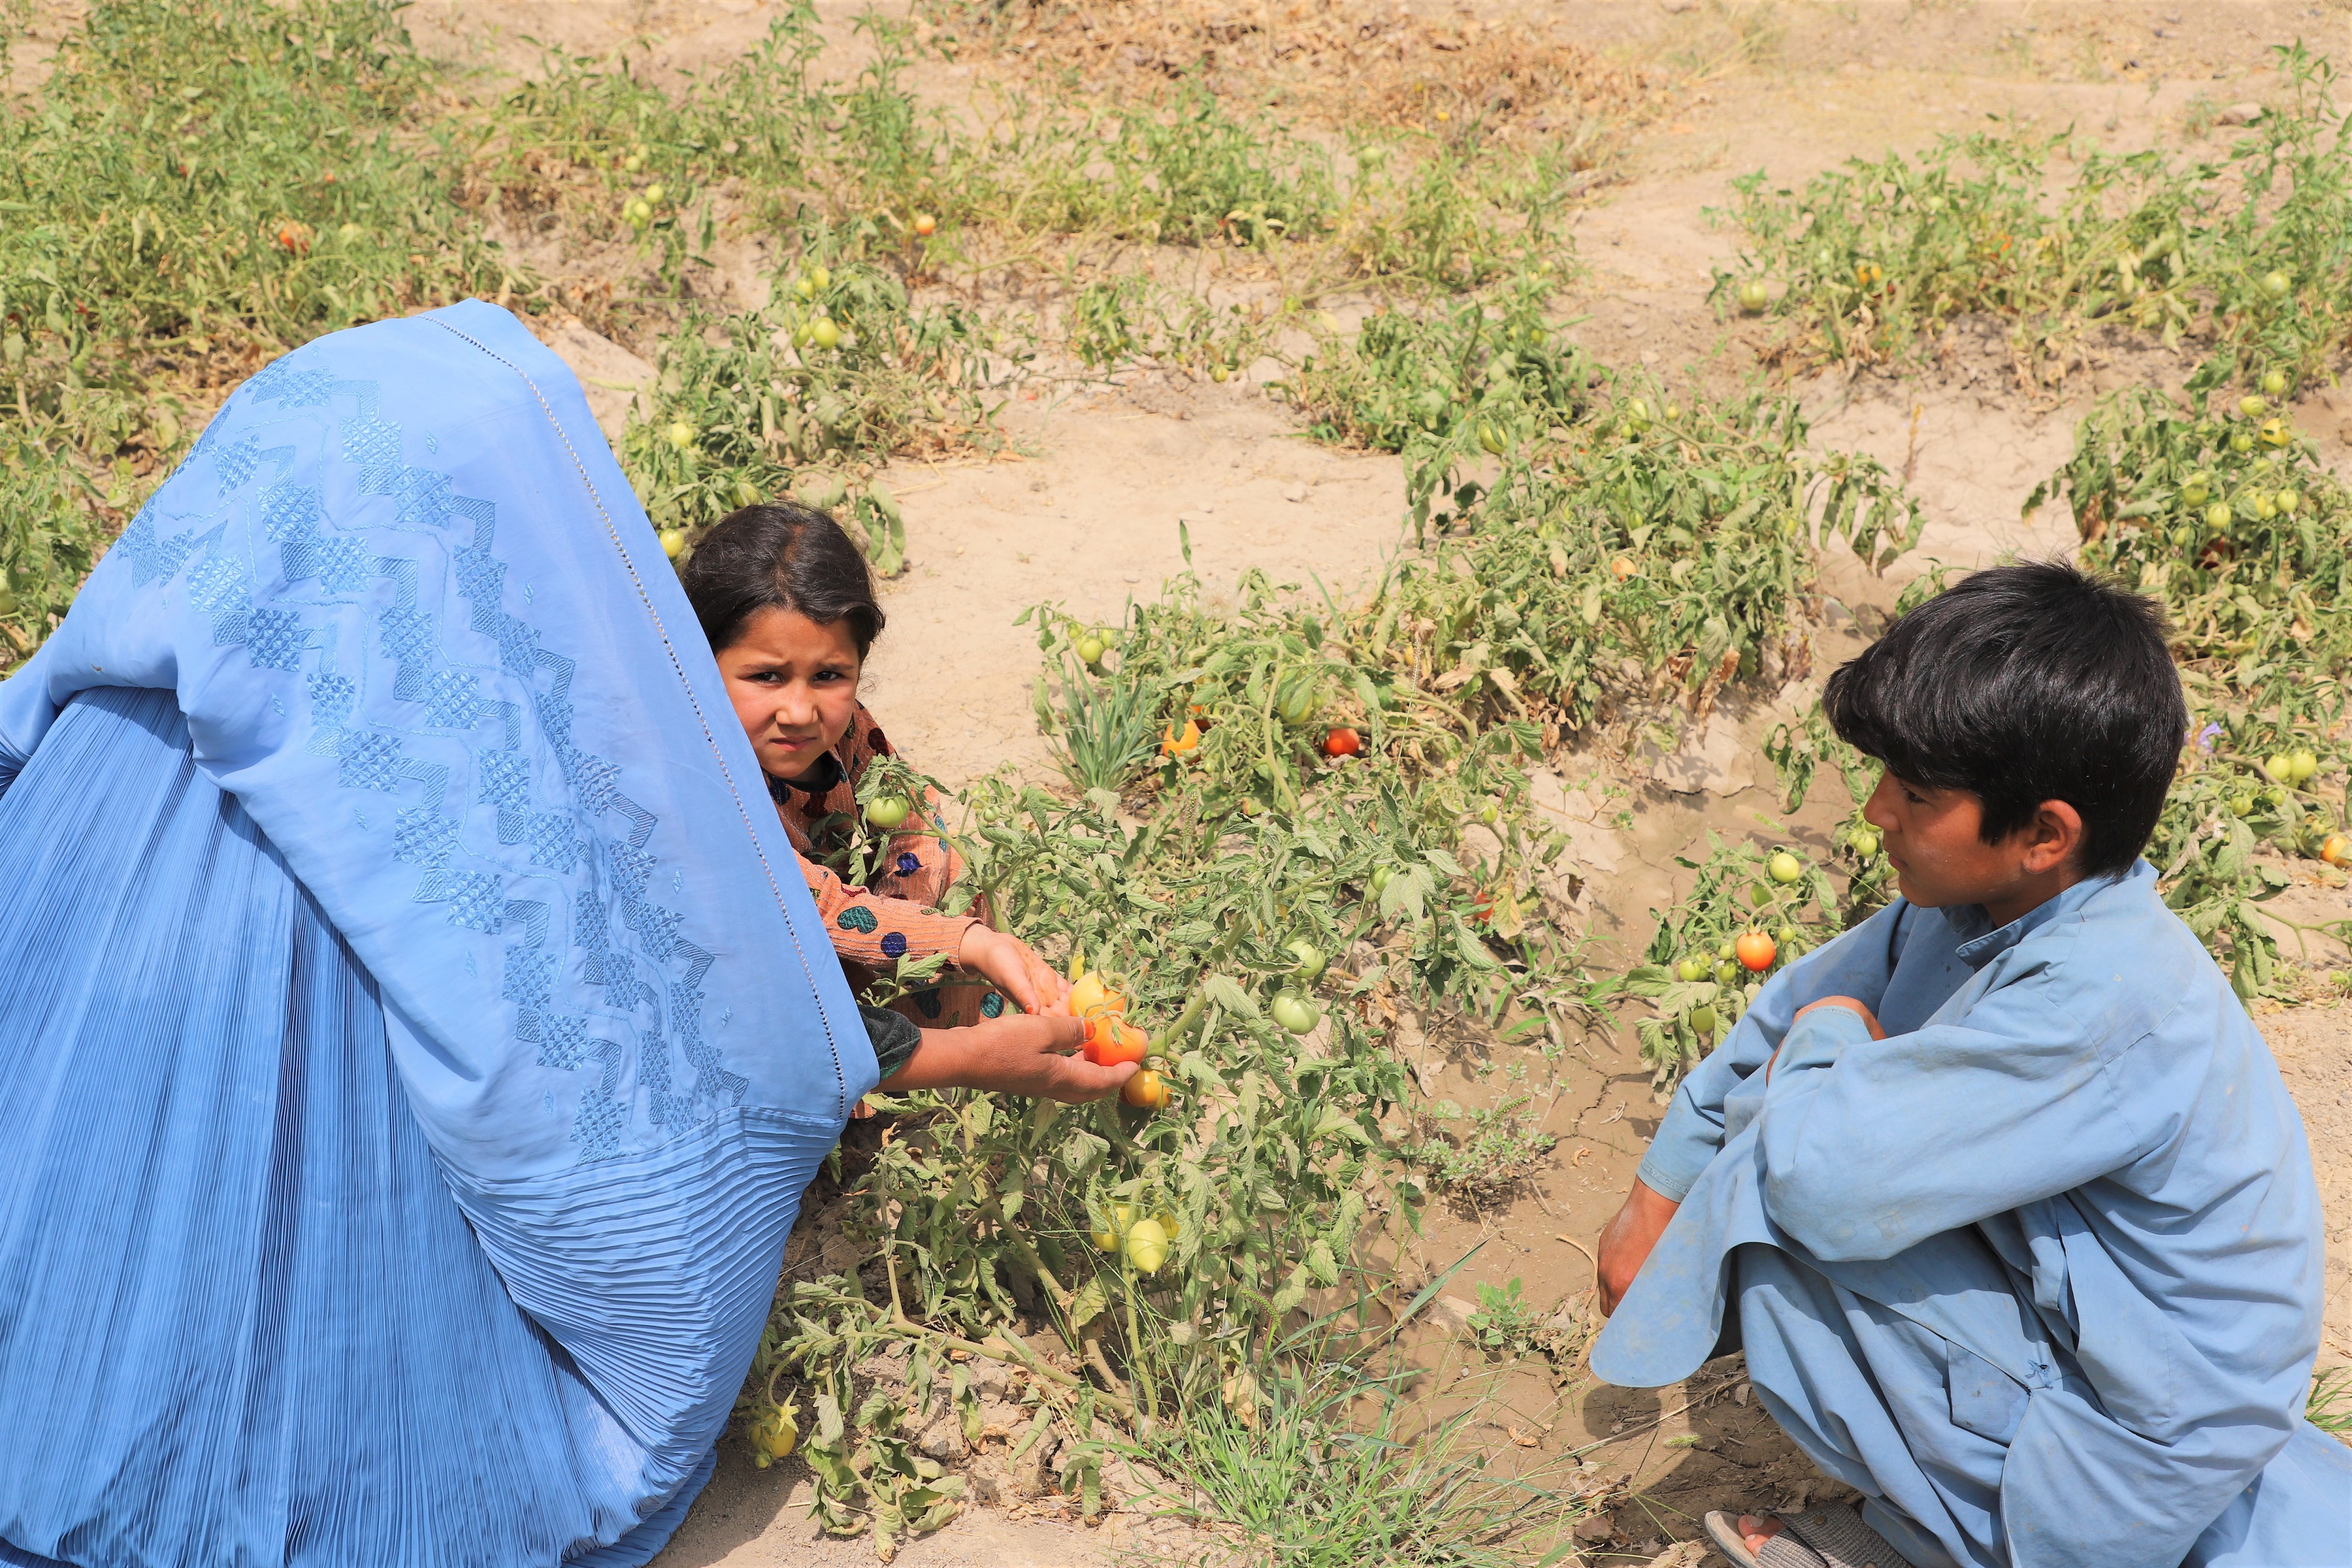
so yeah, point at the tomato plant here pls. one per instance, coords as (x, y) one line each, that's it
(2244, 252)
(1612, 566)
(1714, 948)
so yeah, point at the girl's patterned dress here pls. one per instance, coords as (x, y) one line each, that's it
(895, 915)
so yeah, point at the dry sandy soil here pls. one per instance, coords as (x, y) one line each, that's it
(1088, 514)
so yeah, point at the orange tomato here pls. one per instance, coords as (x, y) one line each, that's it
(1175, 744)
(2337, 850)
(1620, 568)
(1110, 1042)
(293, 237)
(1755, 951)
(1342, 744)
(1147, 1090)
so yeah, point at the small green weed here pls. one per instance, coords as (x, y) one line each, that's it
(1500, 1147)
(1104, 730)
(2329, 1406)
(1306, 1480)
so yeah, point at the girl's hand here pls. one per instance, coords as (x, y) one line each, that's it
(1020, 973)
(1011, 1054)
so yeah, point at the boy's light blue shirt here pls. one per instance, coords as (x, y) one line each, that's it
(2081, 1091)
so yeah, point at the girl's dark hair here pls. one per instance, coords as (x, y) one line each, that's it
(781, 555)
(2022, 684)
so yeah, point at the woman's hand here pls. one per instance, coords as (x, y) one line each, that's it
(1011, 1054)
(1020, 973)
(1625, 1245)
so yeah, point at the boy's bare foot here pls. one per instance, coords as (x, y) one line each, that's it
(1756, 1531)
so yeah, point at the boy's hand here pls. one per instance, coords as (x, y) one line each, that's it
(1011, 1054)
(1849, 1004)
(1017, 972)
(1625, 1245)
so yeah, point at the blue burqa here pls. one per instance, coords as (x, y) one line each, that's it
(415, 1032)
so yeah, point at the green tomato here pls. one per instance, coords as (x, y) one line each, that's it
(1754, 296)
(673, 543)
(1380, 878)
(2184, 536)
(1784, 936)
(2242, 805)
(1691, 970)
(2281, 767)
(1865, 841)
(1702, 1019)
(2302, 765)
(2252, 406)
(1726, 974)
(1725, 950)
(1310, 960)
(2197, 487)
(1785, 867)
(823, 333)
(2242, 440)
(2217, 517)
(1298, 702)
(1147, 1245)
(1290, 1010)
(2274, 382)
(820, 277)
(2287, 501)
(2276, 284)
(680, 434)
(1089, 650)
(885, 812)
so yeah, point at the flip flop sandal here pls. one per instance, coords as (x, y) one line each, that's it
(1820, 1538)
(1783, 1550)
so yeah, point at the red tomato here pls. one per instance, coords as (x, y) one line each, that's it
(1756, 950)
(1342, 744)
(1110, 1042)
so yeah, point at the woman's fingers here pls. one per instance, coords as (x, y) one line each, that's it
(1078, 1080)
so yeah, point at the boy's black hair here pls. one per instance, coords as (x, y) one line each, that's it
(780, 555)
(2022, 684)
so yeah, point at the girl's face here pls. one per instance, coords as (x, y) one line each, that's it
(793, 682)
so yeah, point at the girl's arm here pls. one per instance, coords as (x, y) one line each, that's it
(919, 866)
(875, 931)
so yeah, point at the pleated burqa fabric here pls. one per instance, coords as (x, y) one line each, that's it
(414, 1035)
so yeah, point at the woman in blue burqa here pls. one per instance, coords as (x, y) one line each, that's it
(414, 1035)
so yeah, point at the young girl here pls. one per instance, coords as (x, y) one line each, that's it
(788, 604)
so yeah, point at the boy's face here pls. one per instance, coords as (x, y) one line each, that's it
(1936, 843)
